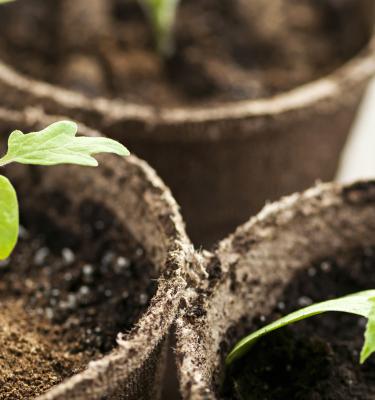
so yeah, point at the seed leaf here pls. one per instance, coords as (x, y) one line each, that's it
(58, 144)
(8, 218)
(369, 345)
(362, 304)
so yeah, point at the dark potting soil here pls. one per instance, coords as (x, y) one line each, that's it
(62, 308)
(225, 50)
(315, 359)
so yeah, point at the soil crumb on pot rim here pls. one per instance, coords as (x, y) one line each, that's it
(256, 60)
(250, 270)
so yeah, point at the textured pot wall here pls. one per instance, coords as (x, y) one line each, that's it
(220, 182)
(250, 270)
(131, 191)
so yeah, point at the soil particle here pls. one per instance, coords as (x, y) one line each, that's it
(214, 271)
(317, 358)
(225, 50)
(63, 307)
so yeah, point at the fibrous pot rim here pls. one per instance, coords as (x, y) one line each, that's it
(332, 88)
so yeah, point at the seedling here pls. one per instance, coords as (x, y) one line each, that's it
(56, 144)
(362, 304)
(162, 16)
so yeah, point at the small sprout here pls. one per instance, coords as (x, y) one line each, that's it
(162, 16)
(362, 304)
(56, 144)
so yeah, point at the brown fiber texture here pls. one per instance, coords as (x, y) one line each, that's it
(142, 204)
(252, 267)
(213, 157)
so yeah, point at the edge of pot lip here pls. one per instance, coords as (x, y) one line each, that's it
(328, 194)
(180, 248)
(359, 69)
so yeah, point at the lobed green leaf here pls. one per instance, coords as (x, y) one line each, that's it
(362, 304)
(9, 224)
(58, 144)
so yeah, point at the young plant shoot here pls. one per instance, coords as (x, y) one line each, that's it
(56, 144)
(162, 16)
(362, 304)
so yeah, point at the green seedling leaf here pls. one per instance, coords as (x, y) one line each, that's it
(58, 144)
(362, 304)
(369, 345)
(5, 1)
(8, 218)
(162, 15)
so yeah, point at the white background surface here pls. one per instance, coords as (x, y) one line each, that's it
(358, 160)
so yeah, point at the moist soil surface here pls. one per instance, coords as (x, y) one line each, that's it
(315, 359)
(225, 50)
(63, 307)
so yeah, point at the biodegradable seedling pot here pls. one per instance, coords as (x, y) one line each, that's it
(222, 160)
(307, 247)
(90, 293)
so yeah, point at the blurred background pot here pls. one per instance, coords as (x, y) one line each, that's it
(95, 280)
(222, 162)
(266, 265)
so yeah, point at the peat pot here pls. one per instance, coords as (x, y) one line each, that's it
(306, 248)
(223, 142)
(90, 293)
